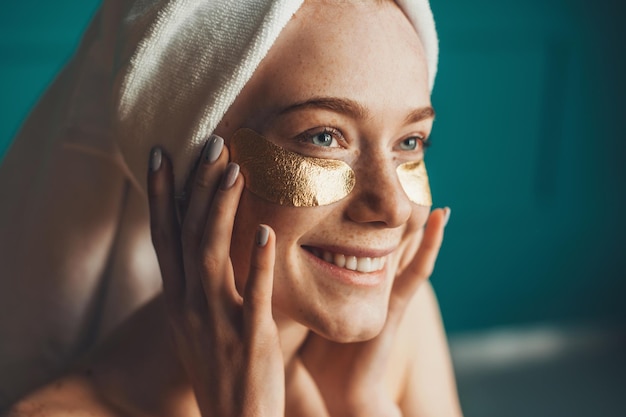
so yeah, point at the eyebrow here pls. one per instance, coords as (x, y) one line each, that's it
(420, 114)
(352, 108)
(336, 104)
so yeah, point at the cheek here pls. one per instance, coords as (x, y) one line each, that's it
(289, 224)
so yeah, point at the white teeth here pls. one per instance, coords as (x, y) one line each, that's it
(365, 264)
(340, 260)
(378, 263)
(352, 263)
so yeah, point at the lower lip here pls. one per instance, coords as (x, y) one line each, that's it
(347, 276)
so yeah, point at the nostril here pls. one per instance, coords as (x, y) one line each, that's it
(388, 207)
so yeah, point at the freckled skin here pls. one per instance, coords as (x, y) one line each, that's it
(379, 64)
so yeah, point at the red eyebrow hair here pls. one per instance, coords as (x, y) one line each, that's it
(420, 114)
(338, 105)
(352, 108)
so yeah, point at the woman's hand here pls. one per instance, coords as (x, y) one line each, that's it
(350, 376)
(228, 345)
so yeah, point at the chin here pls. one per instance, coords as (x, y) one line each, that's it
(350, 324)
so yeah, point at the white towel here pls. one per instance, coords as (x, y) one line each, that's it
(190, 60)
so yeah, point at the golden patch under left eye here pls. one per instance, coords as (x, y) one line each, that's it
(290, 179)
(414, 180)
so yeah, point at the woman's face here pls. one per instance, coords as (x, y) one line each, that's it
(348, 82)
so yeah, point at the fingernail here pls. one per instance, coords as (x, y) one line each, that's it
(213, 150)
(156, 157)
(230, 176)
(446, 216)
(262, 235)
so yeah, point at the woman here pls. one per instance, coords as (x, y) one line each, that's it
(302, 301)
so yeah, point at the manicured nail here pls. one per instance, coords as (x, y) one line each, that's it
(446, 216)
(213, 150)
(230, 176)
(262, 235)
(156, 157)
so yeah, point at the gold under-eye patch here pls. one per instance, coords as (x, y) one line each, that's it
(290, 179)
(414, 180)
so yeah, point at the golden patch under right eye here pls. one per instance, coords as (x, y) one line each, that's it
(291, 179)
(288, 178)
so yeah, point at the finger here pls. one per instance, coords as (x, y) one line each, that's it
(423, 263)
(204, 184)
(257, 299)
(164, 225)
(215, 246)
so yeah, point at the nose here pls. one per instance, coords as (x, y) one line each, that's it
(378, 196)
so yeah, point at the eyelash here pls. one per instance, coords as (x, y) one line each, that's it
(307, 137)
(425, 143)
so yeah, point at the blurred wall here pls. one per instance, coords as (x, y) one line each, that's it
(528, 149)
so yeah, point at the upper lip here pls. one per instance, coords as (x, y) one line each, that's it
(353, 251)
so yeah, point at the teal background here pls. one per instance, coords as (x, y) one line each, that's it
(528, 149)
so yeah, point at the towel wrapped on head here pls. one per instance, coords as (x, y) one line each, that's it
(190, 61)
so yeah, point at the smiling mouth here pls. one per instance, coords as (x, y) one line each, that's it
(349, 262)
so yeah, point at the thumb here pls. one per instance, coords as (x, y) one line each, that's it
(423, 263)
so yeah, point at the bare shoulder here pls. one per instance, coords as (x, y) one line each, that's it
(131, 373)
(71, 396)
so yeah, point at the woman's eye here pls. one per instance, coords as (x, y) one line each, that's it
(410, 144)
(326, 138)
(322, 139)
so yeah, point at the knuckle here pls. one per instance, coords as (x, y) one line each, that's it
(258, 267)
(210, 263)
(221, 208)
(203, 179)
